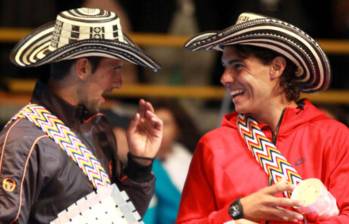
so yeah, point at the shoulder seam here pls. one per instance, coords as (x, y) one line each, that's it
(23, 176)
(5, 141)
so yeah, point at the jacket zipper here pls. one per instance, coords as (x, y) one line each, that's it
(275, 134)
(274, 139)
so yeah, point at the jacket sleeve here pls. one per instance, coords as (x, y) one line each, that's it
(18, 178)
(198, 201)
(136, 180)
(337, 173)
(139, 183)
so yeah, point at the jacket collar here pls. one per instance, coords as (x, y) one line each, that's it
(71, 115)
(292, 118)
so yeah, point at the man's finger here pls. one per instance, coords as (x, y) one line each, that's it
(285, 202)
(155, 120)
(142, 107)
(282, 214)
(278, 188)
(149, 106)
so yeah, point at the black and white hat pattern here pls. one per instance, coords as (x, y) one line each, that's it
(79, 33)
(313, 69)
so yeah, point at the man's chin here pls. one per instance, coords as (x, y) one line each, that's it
(95, 108)
(239, 109)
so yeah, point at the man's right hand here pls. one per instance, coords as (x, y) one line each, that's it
(263, 205)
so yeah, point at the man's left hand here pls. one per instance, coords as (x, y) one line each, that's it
(144, 134)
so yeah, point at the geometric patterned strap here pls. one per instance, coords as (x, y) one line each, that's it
(265, 152)
(68, 142)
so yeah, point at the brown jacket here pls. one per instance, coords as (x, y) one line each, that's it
(45, 179)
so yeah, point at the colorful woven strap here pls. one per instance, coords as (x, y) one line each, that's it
(265, 152)
(68, 142)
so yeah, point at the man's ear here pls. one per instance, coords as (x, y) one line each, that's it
(83, 68)
(277, 67)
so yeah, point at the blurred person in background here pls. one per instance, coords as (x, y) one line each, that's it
(274, 140)
(172, 163)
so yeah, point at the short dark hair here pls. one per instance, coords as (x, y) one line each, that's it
(188, 132)
(60, 69)
(287, 82)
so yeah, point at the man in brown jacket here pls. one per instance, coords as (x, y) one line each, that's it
(60, 148)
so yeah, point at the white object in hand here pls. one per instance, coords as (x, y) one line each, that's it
(315, 198)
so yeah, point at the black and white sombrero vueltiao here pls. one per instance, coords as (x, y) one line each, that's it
(313, 69)
(79, 33)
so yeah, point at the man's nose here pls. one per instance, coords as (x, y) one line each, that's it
(117, 81)
(227, 77)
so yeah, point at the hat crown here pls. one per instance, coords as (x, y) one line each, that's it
(76, 33)
(83, 24)
(247, 16)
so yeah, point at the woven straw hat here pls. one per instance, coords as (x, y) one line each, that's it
(79, 33)
(313, 69)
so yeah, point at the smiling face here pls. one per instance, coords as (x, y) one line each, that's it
(96, 84)
(249, 82)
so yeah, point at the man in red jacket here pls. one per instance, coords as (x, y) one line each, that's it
(237, 170)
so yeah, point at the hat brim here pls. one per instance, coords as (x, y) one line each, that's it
(313, 74)
(34, 50)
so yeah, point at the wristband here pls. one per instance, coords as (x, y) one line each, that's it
(235, 210)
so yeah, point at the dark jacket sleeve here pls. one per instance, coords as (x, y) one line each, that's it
(18, 176)
(139, 183)
(135, 179)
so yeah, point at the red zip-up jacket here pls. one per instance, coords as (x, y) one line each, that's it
(223, 169)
